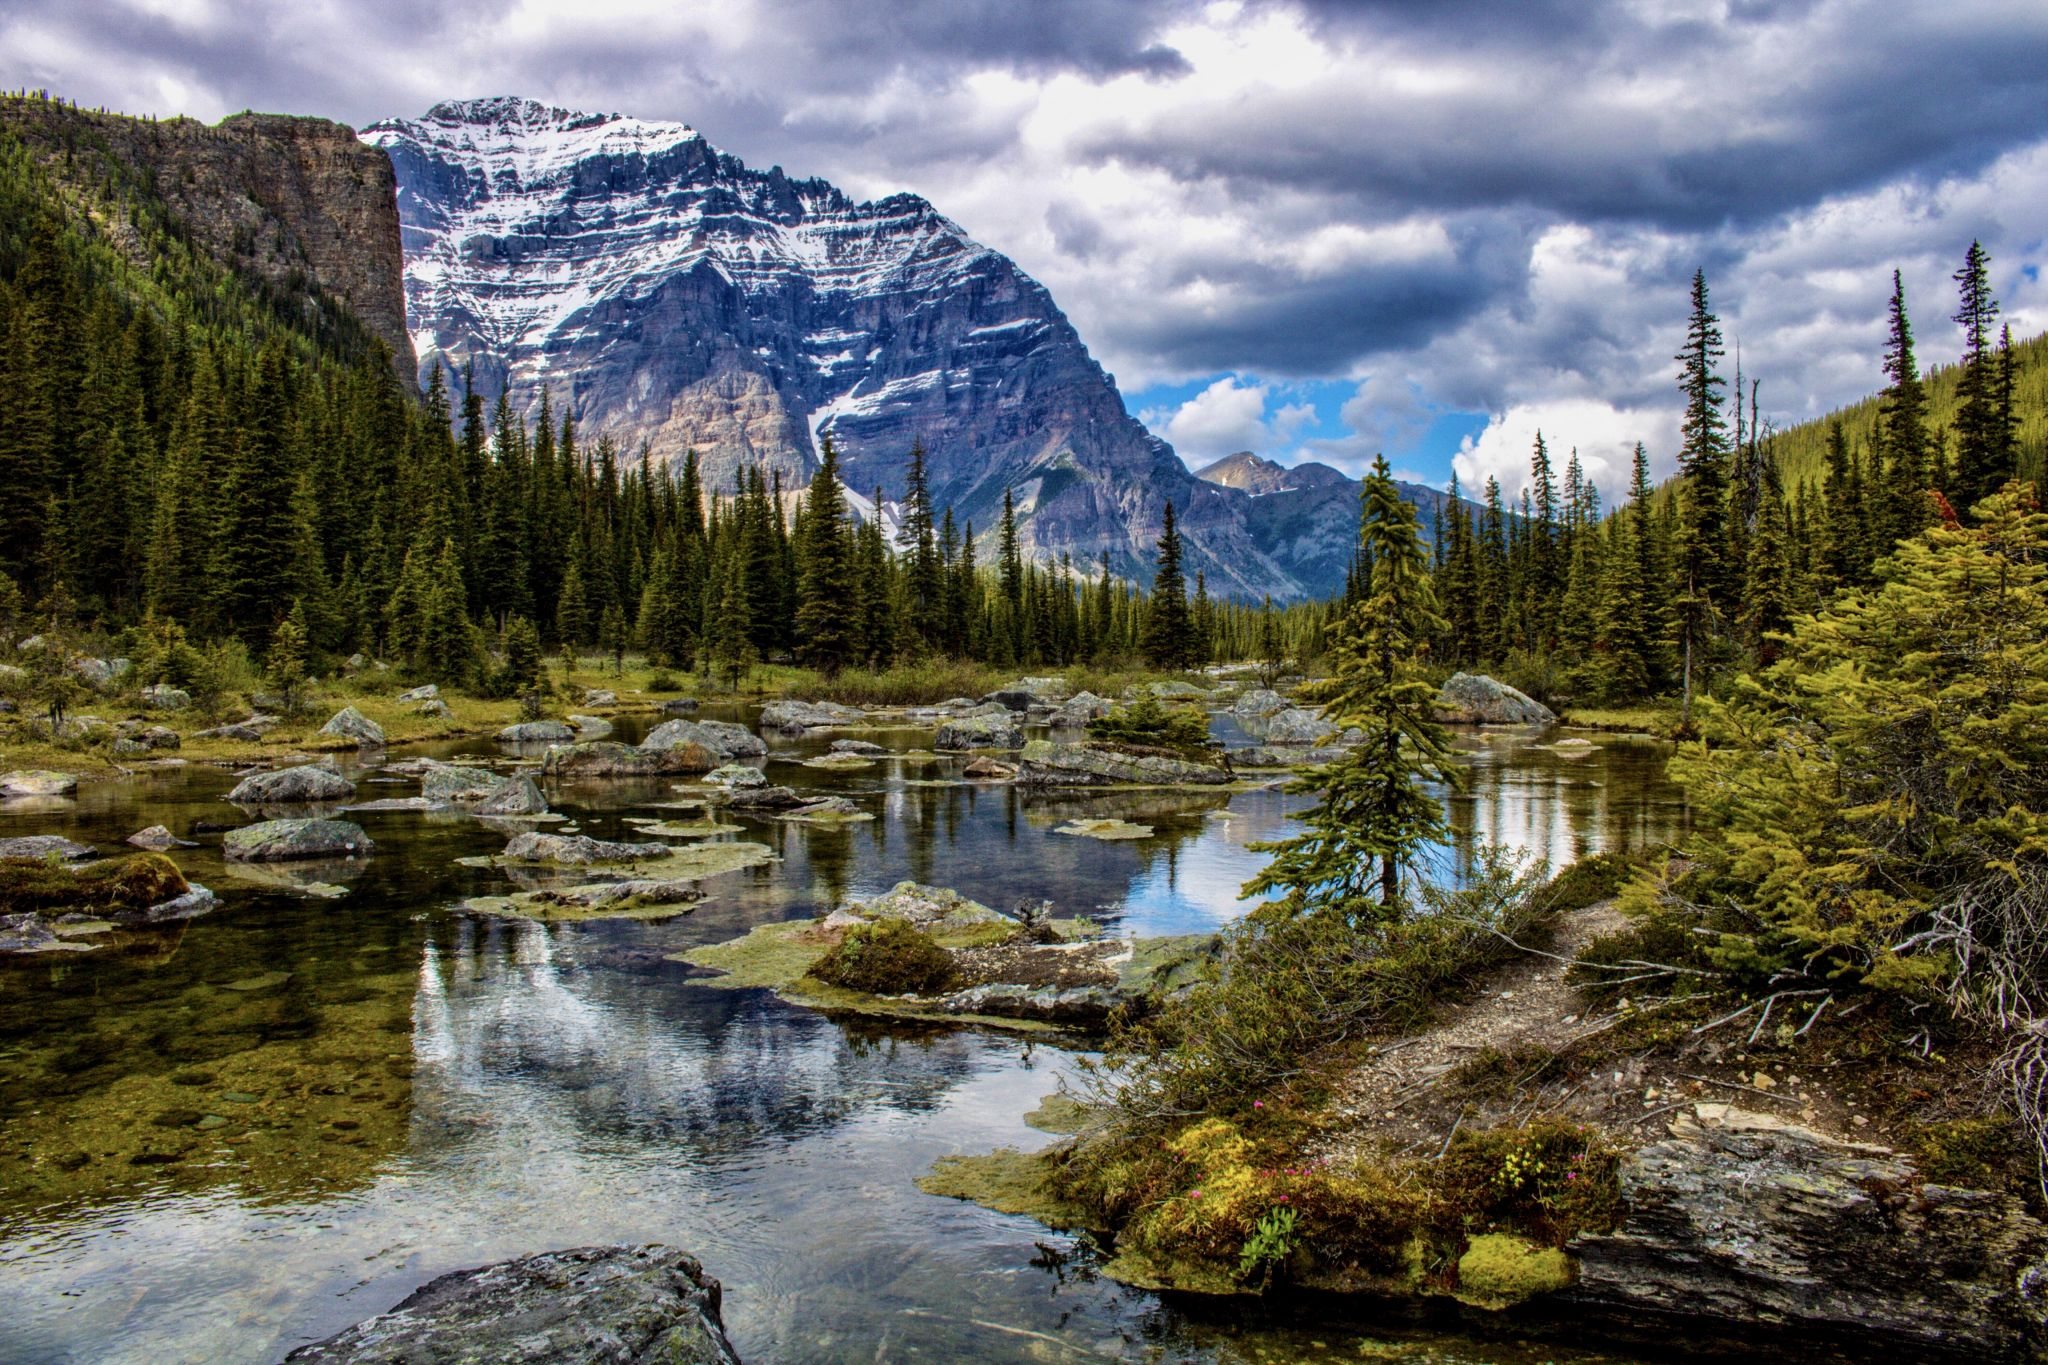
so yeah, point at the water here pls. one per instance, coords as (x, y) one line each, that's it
(224, 1138)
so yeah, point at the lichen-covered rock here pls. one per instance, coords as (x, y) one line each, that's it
(826, 808)
(577, 849)
(40, 846)
(987, 769)
(157, 838)
(481, 790)
(1078, 710)
(285, 840)
(737, 775)
(1087, 765)
(927, 907)
(37, 782)
(240, 730)
(1296, 725)
(434, 708)
(979, 732)
(861, 747)
(537, 732)
(723, 738)
(1260, 701)
(603, 758)
(600, 696)
(518, 797)
(292, 786)
(1748, 1221)
(618, 1305)
(349, 723)
(591, 727)
(763, 798)
(1475, 699)
(427, 693)
(795, 717)
(164, 697)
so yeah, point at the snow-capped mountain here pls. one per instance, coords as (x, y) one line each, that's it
(667, 294)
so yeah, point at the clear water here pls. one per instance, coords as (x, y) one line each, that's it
(225, 1138)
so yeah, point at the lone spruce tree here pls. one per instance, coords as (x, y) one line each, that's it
(1703, 460)
(1376, 814)
(1169, 629)
(825, 623)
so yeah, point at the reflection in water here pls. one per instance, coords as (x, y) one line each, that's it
(295, 1111)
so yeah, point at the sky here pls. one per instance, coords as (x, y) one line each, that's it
(1315, 229)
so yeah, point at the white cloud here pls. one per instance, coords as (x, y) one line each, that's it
(1228, 416)
(1604, 435)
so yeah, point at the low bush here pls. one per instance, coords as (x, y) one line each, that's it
(886, 957)
(1148, 724)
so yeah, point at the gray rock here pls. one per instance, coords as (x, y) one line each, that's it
(152, 739)
(519, 797)
(737, 775)
(926, 906)
(795, 717)
(164, 697)
(723, 738)
(989, 769)
(349, 723)
(1078, 710)
(979, 732)
(598, 696)
(99, 673)
(292, 786)
(427, 693)
(196, 901)
(603, 758)
(611, 1305)
(537, 732)
(819, 807)
(284, 840)
(27, 932)
(1087, 765)
(763, 798)
(577, 849)
(41, 846)
(246, 733)
(1260, 701)
(356, 663)
(1746, 1219)
(460, 784)
(591, 727)
(158, 838)
(857, 746)
(1072, 1006)
(37, 782)
(434, 708)
(1475, 699)
(1297, 725)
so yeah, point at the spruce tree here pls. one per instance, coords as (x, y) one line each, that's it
(1703, 462)
(1169, 633)
(284, 667)
(731, 646)
(1983, 460)
(1377, 814)
(826, 633)
(1902, 430)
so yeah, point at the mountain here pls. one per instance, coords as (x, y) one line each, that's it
(1258, 477)
(296, 207)
(667, 294)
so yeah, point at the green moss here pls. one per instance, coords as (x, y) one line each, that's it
(1973, 1153)
(131, 885)
(1006, 1180)
(1059, 1113)
(887, 957)
(1499, 1269)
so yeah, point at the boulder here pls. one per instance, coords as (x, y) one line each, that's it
(349, 723)
(603, 758)
(1078, 710)
(356, 663)
(519, 797)
(427, 693)
(241, 730)
(795, 717)
(164, 697)
(1088, 765)
(292, 786)
(37, 782)
(158, 838)
(1171, 690)
(927, 907)
(989, 769)
(1260, 701)
(737, 775)
(864, 747)
(1297, 725)
(979, 732)
(578, 849)
(481, 790)
(599, 696)
(1742, 1218)
(99, 673)
(591, 727)
(763, 799)
(284, 840)
(679, 706)
(823, 808)
(619, 1304)
(1475, 699)
(721, 737)
(148, 740)
(41, 846)
(434, 708)
(537, 732)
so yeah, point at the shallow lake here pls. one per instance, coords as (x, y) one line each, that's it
(231, 1136)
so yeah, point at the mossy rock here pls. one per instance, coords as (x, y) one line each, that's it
(1500, 1269)
(129, 886)
(886, 957)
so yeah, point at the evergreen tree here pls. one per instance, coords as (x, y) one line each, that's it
(1983, 457)
(1169, 630)
(285, 665)
(825, 629)
(927, 589)
(731, 649)
(1376, 815)
(1902, 430)
(572, 615)
(1703, 461)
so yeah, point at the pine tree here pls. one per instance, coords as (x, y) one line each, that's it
(731, 649)
(1703, 461)
(285, 665)
(572, 615)
(825, 631)
(613, 635)
(1983, 457)
(1169, 631)
(927, 589)
(1377, 813)
(1902, 430)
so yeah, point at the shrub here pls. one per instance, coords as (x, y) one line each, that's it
(886, 957)
(661, 680)
(1147, 724)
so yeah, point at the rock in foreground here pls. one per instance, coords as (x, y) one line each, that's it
(1475, 699)
(284, 840)
(723, 738)
(620, 1304)
(292, 786)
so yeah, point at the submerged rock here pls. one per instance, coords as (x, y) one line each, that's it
(604, 758)
(158, 838)
(679, 706)
(633, 1305)
(1475, 699)
(737, 775)
(763, 798)
(41, 846)
(286, 840)
(723, 738)
(795, 717)
(857, 746)
(578, 849)
(304, 785)
(827, 809)
(537, 732)
(1088, 765)
(349, 723)
(37, 782)
(997, 731)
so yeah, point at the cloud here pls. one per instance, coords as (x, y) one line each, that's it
(1603, 436)
(1226, 417)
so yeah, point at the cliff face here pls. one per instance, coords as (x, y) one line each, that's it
(299, 204)
(666, 293)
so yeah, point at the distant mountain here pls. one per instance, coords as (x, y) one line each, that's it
(667, 294)
(1259, 477)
